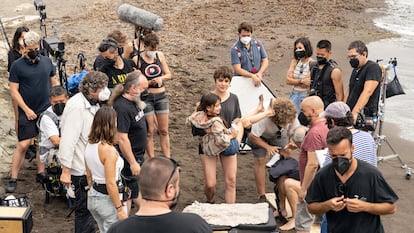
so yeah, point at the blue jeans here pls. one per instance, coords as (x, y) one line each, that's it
(324, 224)
(297, 98)
(102, 209)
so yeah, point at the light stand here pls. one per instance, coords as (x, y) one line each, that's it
(380, 137)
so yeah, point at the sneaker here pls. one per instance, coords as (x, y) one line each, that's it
(273, 160)
(11, 186)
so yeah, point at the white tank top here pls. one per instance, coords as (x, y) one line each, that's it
(300, 72)
(95, 165)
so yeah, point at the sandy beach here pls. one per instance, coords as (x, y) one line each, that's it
(196, 38)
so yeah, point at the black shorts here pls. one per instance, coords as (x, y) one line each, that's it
(26, 129)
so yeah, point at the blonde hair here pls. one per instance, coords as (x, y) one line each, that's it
(31, 38)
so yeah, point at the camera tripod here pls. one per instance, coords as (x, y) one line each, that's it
(380, 137)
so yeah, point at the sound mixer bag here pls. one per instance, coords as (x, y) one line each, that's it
(394, 88)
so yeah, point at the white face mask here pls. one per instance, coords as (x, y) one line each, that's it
(104, 94)
(245, 39)
(152, 54)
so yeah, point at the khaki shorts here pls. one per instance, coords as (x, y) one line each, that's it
(303, 219)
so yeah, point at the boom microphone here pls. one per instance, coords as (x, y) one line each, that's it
(139, 17)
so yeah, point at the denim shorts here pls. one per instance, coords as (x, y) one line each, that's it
(232, 149)
(156, 103)
(297, 98)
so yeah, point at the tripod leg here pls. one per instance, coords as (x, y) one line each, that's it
(403, 165)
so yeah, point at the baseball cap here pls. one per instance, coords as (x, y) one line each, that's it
(336, 110)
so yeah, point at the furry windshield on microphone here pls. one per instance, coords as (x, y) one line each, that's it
(139, 17)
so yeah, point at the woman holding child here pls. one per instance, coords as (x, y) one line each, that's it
(215, 112)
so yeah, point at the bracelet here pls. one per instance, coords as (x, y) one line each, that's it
(119, 207)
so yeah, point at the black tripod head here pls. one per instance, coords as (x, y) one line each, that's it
(393, 61)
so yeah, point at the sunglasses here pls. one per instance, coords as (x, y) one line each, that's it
(175, 167)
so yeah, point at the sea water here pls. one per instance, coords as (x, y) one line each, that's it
(398, 18)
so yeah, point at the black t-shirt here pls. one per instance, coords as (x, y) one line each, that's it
(366, 183)
(170, 222)
(34, 81)
(131, 120)
(115, 76)
(370, 71)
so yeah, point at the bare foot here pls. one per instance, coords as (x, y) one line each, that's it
(270, 111)
(260, 107)
(290, 225)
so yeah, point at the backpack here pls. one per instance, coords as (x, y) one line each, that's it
(44, 150)
(73, 82)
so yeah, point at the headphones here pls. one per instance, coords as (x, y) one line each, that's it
(110, 42)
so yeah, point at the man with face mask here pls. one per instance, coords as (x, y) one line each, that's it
(111, 62)
(364, 88)
(159, 191)
(339, 114)
(132, 128)
(326, 77)
(31, 77)
(352, 193)
(248, 56)
(49, 131)
(76, 122)
(315, 139)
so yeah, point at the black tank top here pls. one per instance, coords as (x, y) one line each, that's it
(152, 70)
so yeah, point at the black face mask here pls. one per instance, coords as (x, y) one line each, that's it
(58, 108)
(303, 119)
(354, 62)
(34, 55)
(109, 62)
(300, 54)
(120, 51)
(321, 60)
(341, 164)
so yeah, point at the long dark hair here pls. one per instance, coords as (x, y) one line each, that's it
(208, 100)
(15, 42)
(103, 126)
(306, 44)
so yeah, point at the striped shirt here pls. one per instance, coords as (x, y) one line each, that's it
(365, 148)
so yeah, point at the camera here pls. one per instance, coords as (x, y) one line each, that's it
(54, 47)
(314, 91)
(41, 7)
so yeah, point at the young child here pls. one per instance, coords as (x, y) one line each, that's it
(219, 139)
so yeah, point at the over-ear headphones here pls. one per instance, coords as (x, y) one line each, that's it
(109, 42)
